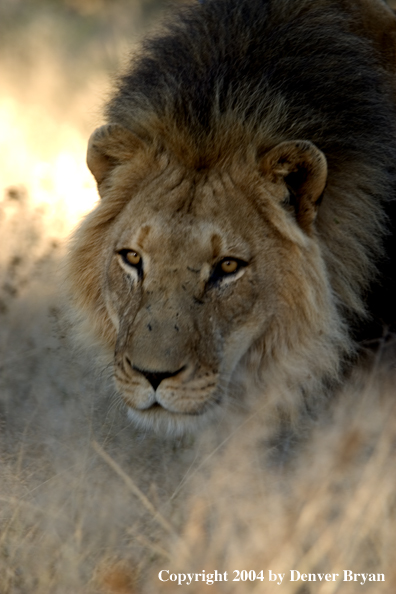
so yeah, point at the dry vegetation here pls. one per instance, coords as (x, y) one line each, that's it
(88, 504)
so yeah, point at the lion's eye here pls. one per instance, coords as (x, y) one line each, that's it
(131, 257)
(229, 266)
(226, 267)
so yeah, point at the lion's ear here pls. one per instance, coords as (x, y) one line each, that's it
(302, 168)
(109, 145)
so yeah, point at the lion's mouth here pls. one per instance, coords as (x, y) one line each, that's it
(159, 408)
(173, 418)
(169, 403)
(154, 406)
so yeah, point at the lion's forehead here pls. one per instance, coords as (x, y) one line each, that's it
(203, 217)
(183, 238)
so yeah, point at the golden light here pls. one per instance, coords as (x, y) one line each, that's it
(47, 158)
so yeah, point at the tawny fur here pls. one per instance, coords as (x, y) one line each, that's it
(261, 131)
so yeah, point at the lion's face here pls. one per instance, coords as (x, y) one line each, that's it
(196, 269)
(184, 291)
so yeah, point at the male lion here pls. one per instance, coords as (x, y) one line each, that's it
(245, 173)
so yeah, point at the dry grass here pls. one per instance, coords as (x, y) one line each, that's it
(87, 503)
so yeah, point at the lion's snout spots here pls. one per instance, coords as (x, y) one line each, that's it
(157, 396)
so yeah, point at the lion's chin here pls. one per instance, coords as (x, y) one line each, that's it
(174, 424)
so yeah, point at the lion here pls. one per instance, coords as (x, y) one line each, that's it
(242, 238)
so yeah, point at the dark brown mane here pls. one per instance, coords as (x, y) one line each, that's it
(227, 78)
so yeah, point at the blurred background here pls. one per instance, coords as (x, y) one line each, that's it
(57, 60)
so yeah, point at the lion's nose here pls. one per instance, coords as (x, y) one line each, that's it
(156, 377)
